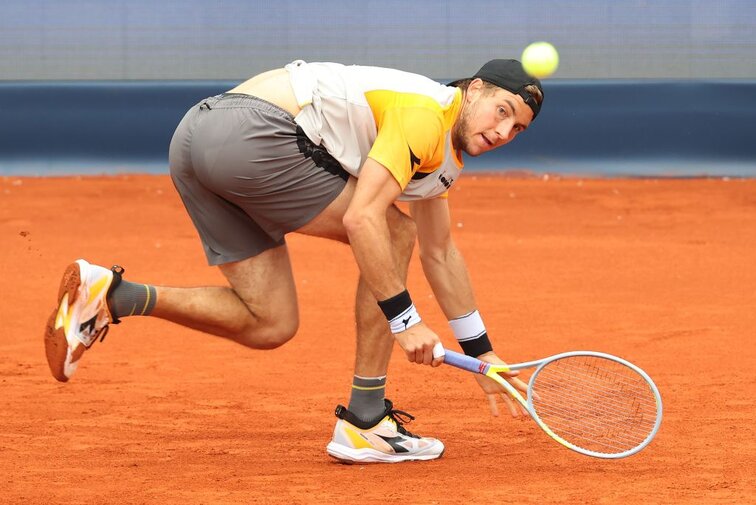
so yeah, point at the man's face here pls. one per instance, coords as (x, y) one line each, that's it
(489, 120)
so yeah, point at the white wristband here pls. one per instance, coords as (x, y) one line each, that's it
(468, 327)
(405, 320)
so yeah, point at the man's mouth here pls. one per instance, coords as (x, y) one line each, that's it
(485, 139)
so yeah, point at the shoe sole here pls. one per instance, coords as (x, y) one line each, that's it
(56, 344)
(350, 456)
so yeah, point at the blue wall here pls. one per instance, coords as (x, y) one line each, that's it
(616, 127)
(233, 39)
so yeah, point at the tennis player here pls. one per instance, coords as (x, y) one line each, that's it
(322, 149)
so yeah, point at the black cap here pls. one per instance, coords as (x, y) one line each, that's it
(509, 75)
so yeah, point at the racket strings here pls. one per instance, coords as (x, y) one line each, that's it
(594, 403)
(609, 403)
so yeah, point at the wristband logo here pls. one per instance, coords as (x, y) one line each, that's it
(406, 321)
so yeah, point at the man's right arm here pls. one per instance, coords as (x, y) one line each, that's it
(369, 236)
(370, 239)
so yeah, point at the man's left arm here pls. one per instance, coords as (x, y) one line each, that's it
(447, 274)
(442, 262)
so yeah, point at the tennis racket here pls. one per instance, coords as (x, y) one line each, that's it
(593, 403)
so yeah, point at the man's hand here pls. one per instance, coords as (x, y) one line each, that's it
(493, 390)
(418, 342)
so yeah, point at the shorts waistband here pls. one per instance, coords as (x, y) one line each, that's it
(241, 101)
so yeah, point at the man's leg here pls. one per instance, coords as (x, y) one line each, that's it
(259, 310)
(374, 340)
(374, 432)
(233, 196)
(370, 430)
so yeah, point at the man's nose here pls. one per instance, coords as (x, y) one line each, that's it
(504, 130)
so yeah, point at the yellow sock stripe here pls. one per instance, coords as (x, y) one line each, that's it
(147, 302)
(368, 388)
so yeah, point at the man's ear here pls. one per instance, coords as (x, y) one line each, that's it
(474, 89)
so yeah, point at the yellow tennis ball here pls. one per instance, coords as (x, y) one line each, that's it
(540, 59)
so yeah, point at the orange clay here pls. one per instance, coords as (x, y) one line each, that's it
(659, 271)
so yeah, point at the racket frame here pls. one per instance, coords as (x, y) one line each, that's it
(492, 370)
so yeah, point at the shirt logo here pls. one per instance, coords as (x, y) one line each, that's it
(414, 160)
(446, 182)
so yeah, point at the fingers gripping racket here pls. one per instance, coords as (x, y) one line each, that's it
(593, 403)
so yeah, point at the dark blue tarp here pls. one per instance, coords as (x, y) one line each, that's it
(629, 127)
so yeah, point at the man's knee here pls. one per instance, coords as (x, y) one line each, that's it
(271, 333)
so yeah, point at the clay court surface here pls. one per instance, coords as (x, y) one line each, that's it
(659, 271)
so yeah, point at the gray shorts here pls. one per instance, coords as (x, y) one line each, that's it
(247, 175)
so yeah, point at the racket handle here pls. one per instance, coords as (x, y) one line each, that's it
(465, 362)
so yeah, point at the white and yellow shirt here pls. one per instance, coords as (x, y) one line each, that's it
(399, 119)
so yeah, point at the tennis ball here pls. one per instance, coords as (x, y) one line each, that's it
(540, 59)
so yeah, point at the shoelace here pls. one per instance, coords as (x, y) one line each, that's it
(101, 334)
(401, 418)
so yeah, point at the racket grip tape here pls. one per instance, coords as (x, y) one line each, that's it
(462, 361)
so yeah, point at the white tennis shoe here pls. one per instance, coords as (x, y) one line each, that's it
(81, 317)
(383, 440)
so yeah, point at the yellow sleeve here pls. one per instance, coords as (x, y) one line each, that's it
(407, 139)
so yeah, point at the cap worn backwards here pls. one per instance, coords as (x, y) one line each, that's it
(509, 75)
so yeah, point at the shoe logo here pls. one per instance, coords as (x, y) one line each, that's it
(394, 443)
(414, 160)
(87, 327)
(406, 321)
